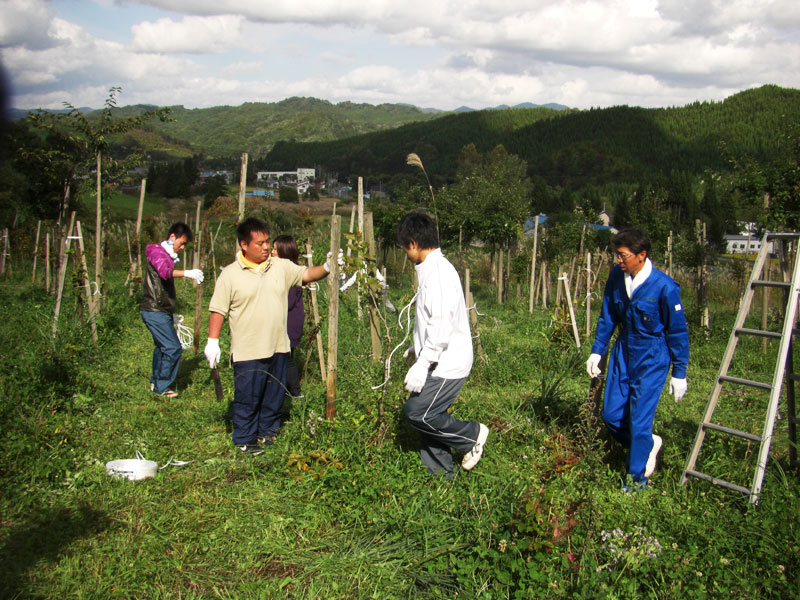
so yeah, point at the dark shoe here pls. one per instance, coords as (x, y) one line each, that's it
(267, 440)
(253, 449)
(169, 394)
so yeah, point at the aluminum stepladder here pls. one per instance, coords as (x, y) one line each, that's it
(783, 368)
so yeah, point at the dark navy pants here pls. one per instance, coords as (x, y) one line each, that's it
(438, 430)
(167, 353)
(259, 387)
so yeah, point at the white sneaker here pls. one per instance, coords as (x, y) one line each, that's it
(651, 460)
(472, 457)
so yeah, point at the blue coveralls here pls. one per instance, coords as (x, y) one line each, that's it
(652, 333)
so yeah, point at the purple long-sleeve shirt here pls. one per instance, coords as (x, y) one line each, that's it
(296, 317)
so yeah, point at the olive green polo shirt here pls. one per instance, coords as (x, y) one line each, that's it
(256, 303)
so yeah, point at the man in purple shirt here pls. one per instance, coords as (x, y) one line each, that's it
(158, 305)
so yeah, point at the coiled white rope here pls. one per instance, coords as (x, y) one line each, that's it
(401, 344)
(185, 335)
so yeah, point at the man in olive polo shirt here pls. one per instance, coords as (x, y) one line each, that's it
(253, 292)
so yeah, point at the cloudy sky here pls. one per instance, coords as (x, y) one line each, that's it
(430, 53)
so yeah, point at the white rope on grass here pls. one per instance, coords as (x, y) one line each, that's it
(185, 335)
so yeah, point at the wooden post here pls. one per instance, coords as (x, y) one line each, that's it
(242, 186)
(135, 271)
(5, 252)
(315, 309)
(374, 324)
(578, 267)
(588, 295)
(198, 300)
(565, 278)
(473, 311)
(499, 275)
(333, 318)
(533, 263)
(361, 232)
(90, 307)
(98, 251)
(47, 262)
(36, 250)
(669, 254)
(545, 283)
(352, 225)
(62, 272)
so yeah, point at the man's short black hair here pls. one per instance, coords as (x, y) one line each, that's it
(635, 239)
(244, 232)
(180, 229)
(417, 227)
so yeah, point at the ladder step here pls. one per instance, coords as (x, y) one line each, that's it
(759, 332)
(755, 384)
(769, 283)
(736, 432)
(783, 235)
(715, 481)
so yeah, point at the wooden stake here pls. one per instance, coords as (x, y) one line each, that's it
(242, 186)
(374, 325)
(87, 286)
(47, 262)
(533, 263)
(333, 318)
(36, 250)
(352, 225)
(588, 295)
(473, 311)
(361, 231)
(499, 276)
(198, 300)
(565, 278)
(5, 252)
(98, 251)
(669, 254)
(62, 272)
(315, 308)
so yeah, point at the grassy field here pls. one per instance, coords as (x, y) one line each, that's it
(344, 509)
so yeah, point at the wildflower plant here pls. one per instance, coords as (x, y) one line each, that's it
(629, 549)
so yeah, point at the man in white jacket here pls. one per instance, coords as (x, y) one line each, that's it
(443, 345)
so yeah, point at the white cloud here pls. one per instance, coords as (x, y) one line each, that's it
(444, 54)
(194, 35)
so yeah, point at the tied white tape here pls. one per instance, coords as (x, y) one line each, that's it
(408, 330)
(185, 335)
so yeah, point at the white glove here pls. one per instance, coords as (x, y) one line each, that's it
(416, 376)
(212, 352)
(593, 365)
(339, 261)
(409, 352)
(196, 274)
(678, 387)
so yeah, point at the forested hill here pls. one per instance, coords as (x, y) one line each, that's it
(574, 148)
(254, 127)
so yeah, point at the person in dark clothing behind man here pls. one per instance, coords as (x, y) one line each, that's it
(158, 305)
(285, 246)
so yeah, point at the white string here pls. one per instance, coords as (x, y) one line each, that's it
(408, 330)
(175, 463)
(475, 308)
(96, 288)
(185, 335)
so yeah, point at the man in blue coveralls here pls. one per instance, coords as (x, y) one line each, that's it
(646, 306)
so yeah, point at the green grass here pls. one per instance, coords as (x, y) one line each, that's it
(344, 509)
(126, 206)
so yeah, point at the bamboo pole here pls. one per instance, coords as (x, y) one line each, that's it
(533, 263)
(62, 272)
(333, 318)
(315, 309)
(87, 286)
(36, 250)
(242, 186)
